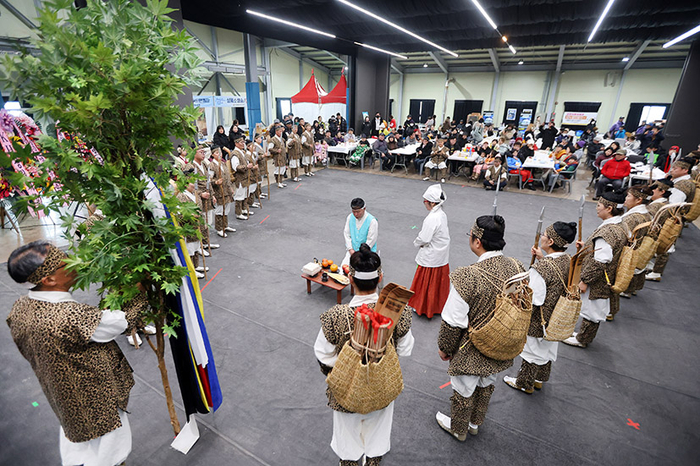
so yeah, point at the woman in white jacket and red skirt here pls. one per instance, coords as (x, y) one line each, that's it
(431, 283)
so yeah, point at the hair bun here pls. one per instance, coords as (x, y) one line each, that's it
(364, 249)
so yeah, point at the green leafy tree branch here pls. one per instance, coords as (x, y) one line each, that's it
(111, 73)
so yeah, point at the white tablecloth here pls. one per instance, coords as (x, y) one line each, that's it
(539, 162)
(464, 157)
(406, 150)
(644, 174)
(344, 148)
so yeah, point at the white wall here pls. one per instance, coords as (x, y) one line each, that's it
(645, 85)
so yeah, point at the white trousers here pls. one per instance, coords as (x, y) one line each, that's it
(280, 170)
(357, 434)
(539, 351)
(430, 164)
(306, 160)
(466, 384)
(110, 449)
(294, 163)
(595, 310)
(219, 209)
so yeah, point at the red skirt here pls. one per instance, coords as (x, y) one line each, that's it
(431, 286)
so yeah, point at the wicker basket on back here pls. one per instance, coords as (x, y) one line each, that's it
(694, 211)
(670, 230)
(628, 261)
(503, 335)
(562, 322)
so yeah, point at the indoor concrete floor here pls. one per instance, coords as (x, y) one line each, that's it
(641, 370)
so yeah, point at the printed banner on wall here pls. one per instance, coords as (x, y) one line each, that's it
(203, 101)
(229, 101)
(578, 118)
(488, 118)
(510, 115)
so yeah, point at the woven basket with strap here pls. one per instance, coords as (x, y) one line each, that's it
(562, 322)
(694, 211)
(669, 233)
(363, 388)
(503, 336)
(627, 262)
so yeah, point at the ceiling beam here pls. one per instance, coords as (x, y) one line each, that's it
(18, 14)
(199, 41)
(440, 62)
(397, 67)
(637, 52)
(336, 57)
(494, 60)
(544, 67)
(302, 58)
(274, 43)
(231, 68)
(560, 58)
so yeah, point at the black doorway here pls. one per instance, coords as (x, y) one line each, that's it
(421, 109)
(465, 107)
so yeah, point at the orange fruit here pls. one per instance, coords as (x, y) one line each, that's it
(334, 268)
(324, 263)
(330, 262)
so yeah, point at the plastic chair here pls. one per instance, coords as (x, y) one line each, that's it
(519, 176)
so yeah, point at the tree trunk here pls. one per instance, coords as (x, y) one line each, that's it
(160, 354)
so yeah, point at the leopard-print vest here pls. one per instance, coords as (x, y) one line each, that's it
(554, 272)
(592, 271)
(84, 382)
(478, 291)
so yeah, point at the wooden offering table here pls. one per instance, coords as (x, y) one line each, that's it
(332, 284)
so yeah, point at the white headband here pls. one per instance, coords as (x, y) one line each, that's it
(366, 275)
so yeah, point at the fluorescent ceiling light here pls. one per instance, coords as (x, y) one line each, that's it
(289, 23)
(396, 26)
(600, 20)
(425, 65)
(483, 12)
(520, 62)
(685, 35)
(512, 49)
(380, 50)
(625, 58)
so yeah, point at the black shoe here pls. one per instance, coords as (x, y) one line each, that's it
(530, 187)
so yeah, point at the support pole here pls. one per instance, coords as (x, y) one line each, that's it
(252, 85)
(494, 93)
(217, 81)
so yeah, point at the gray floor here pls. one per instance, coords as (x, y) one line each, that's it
(262, 326)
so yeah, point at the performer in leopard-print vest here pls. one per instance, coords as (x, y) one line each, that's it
(84, 375)
(356, 435)
(307, 150)
(636, 202)
(548, 282)
(471, 302)
(659, 199)
(223, 193)
(599, 268)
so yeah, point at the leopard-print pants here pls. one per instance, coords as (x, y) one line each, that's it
(526, 376)
(543, 372)
(660, 263)
(220, 222)
(614, 304)
(587, 333)
(461, 412)
(530, 372)
(482, 397)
